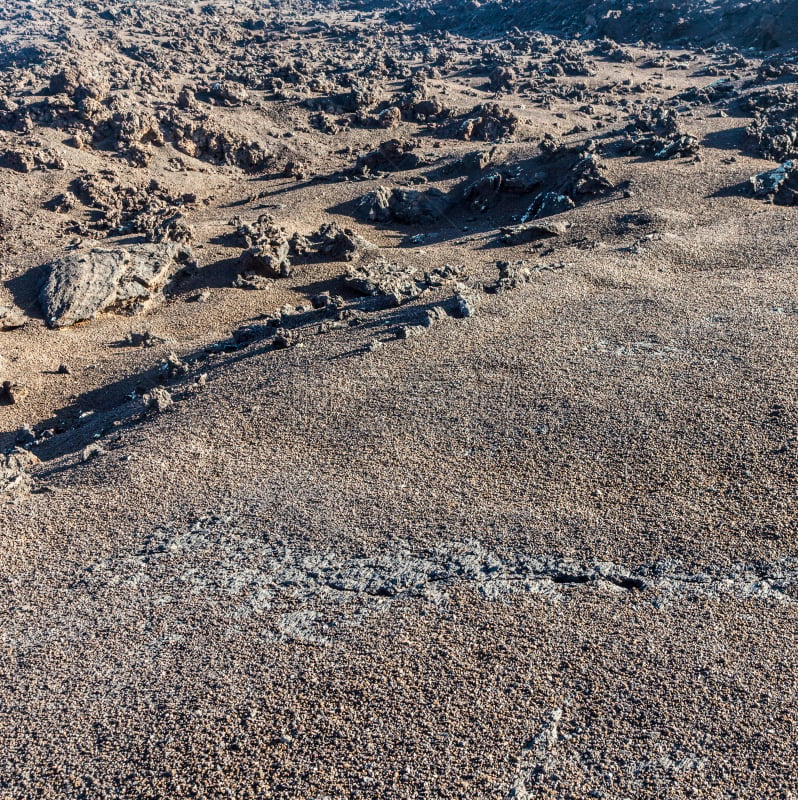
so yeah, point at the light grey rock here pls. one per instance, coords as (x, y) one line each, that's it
(465, 304)
(537, 758)
(531, 231)
(411, 331)
(11, 318)
(91, 451)
(81, 285)
(385, 278)
(14, 475)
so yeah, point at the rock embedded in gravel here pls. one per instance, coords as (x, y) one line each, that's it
(407, 206)
(547, 204)
(488, 123)
(331, 242)
(779, 185)
(172, 367)
(382, 277)
(14, 471)
(268, 247)
(774, 129)
(12, 392)
(685, 145)
(532, 231)
(11, 318)
(91, 451)
(284, 339)
(227, 93)
(81, 285)
(411, 331)
(391, 156)
(512, 274)
(465, 304)
(80, 82)
(158, 400)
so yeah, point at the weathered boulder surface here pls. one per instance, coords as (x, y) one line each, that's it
(81, 285)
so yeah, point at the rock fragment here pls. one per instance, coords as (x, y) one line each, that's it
(158, 400)
(488, 123)
(11, 318)
(14, 471)
(172, 367)
(81, 285)
(532, 231)
(503, 79)
(385, 278)
(284, 339)
(333, 243)
(464, 304)
(227, 93)
(201, 138)
(268, 247)
(411, 331)
(91, 451)
(391, 156)
(656, 131)
(407, 206)
(774, 130)
(512, 274)
(779, 185)
(683, 146)
(80, 82)
(547, 204)
(12, 393)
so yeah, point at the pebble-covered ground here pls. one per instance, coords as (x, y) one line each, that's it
(398, 400)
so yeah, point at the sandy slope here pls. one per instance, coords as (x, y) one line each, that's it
(547, 550)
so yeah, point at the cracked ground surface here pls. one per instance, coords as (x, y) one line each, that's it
(507, 521)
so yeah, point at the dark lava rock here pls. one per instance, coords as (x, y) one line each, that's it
(774, 129)
(683, 146)
(81, 285)
(488, 123)
(532, 231)
(503, 79)
(391, 156)
(546, 204)
(404, 205)
(779, 185)
(331, 242)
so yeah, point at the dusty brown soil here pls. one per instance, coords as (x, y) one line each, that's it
(513, 534)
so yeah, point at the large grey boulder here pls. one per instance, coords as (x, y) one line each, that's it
(81, 285)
